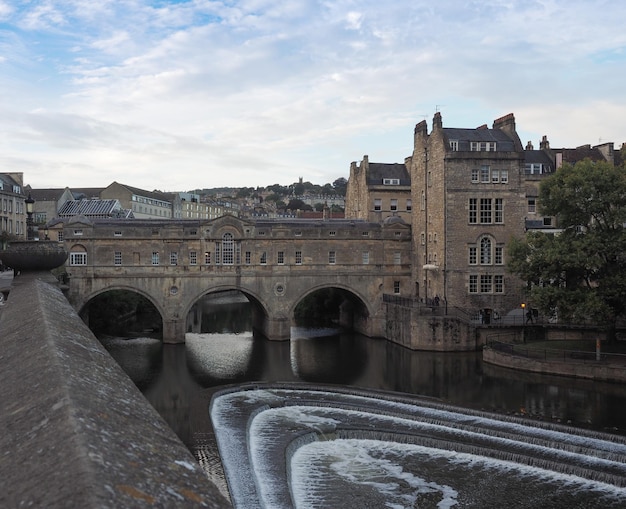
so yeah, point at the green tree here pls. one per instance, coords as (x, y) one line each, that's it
(580, 271)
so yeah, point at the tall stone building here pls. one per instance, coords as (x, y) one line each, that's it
(469, 196)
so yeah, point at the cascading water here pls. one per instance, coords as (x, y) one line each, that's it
(285, 446)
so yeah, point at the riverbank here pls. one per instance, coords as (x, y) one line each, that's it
(575, 358)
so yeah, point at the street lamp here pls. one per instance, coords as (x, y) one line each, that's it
(30, 234)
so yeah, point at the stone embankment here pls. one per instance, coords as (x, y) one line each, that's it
(76, 430)
(605, 370)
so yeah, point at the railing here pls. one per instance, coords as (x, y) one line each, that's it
(550, 354)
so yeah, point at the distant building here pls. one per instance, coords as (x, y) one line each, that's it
(12, 207)
(377, 191)
(143, 204)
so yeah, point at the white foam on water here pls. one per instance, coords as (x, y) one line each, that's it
(221, 356)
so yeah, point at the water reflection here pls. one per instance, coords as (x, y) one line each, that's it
(174, 377)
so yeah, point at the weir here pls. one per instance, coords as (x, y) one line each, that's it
(303, 446)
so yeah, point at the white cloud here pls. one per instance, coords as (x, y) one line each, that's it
(164, 95)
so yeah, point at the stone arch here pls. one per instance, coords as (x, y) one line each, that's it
(262, 311)
(297, 299)
(80, 306)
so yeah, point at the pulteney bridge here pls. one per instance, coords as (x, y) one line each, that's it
(274, 263)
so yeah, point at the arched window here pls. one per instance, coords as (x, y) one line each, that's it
(228, 249)
(78, 255)
(485, 251)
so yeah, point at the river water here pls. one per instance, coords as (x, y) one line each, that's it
(178, 379)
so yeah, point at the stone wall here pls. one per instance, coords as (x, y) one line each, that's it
(76, 430)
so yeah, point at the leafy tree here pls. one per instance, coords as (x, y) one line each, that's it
(579, 272)
(340, 185)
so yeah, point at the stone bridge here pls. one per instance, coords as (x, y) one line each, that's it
(274, 263)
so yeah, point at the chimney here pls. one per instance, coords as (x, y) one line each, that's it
(437, 122)
(544, 144)
(505, 123)
(529, 146)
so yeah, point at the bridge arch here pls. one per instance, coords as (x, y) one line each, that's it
(260, 307)
(358, 319)
(83, 306)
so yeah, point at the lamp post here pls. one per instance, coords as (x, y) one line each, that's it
(30, 234)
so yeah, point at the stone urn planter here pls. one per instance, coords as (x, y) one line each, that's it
(33, 255)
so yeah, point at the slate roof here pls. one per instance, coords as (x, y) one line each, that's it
(379, 171)
(464, 136)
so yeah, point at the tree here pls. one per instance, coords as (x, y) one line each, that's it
(340, 185)
(580, 271)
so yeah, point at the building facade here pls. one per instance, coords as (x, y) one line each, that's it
(377, 191)
(12, 206)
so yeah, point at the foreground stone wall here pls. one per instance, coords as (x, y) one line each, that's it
(76, 430)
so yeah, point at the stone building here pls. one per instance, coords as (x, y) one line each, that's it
(468, 187)
(144, 204)
(12, 207)
(377, 191)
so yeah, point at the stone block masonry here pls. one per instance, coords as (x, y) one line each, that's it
(76, 432)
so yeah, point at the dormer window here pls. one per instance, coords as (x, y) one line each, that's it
(483, 146)
(391, 182)
(454, 145)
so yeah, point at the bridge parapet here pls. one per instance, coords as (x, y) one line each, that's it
(76, 430)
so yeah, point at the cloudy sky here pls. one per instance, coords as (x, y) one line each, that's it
(176, 95)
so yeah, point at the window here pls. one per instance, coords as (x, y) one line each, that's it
(396, 287)
(499, 255)
(472, 255)
(423, 238)
(378, 204)
(409, 205)
(504, 176)
(78, 258)
(78, 232)
(485, 251)
(473, 283)
(280, 258)
(475, 176)
(391, 182)
(485, 283)
(484, 174)
(332, 233)
(397, 258)
(117, 258)
(499, 211)
(117, 234)
(155, 257)
(495, 176)
(473, 210)
(532, 205)
(498, 284)
(173, 258)
(485, 210)
(228, 249)
(394, 204)
(193, 258)
(454, 145)
(365, 257)
(298, 257)
(263, 258)
(60, 236)
(547, 221)
(423, 201)
(483, 146)
(332, 257)
(534, 168)
(207, 257)
(248, 258)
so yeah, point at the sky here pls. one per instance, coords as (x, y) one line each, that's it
(179, 95)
